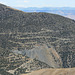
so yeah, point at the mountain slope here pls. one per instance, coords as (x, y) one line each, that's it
(45, 54)
(20, 31)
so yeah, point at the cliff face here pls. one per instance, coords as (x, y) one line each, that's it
(46, 37)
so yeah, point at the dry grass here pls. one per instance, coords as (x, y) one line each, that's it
(68, 71)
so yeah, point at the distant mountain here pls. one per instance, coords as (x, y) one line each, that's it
(64, 11)
(46, 8)
(37, 40)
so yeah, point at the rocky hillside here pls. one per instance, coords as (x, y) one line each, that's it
(46, 37)
(45, 54)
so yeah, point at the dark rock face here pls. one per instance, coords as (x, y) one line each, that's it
(22, 31)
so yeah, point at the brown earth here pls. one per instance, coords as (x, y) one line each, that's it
(67, 71)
